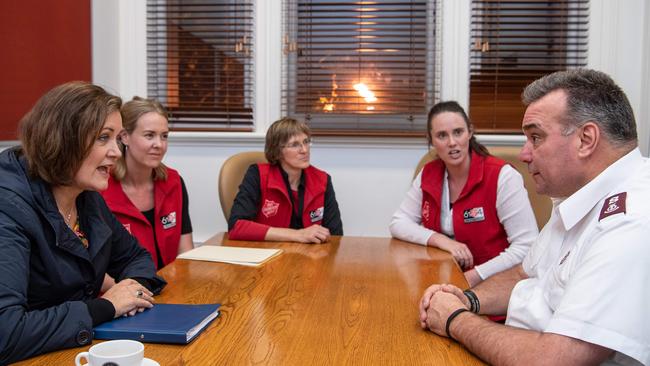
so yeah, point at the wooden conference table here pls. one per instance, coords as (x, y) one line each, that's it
(352, 301)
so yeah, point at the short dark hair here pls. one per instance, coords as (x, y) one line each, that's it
(453, 107)
(591, 96)
(279, 134)
(59, 131)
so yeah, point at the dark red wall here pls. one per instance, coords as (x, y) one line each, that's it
(44, 43)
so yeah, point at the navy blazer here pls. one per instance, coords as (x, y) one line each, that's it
(45, 272)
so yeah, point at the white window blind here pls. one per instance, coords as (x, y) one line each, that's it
(360, 66)
(514, 43)
(200, 62)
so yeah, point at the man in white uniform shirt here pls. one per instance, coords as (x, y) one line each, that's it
(581, 295)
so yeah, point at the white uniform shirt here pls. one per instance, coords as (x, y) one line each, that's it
(590, 267)
(513, 210)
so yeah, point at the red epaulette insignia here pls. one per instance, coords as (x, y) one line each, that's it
(613, 205)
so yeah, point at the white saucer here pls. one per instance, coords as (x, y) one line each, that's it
(145, 362)
(149, 362)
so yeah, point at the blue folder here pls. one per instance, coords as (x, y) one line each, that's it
(164, 323)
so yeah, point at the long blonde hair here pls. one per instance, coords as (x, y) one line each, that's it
(131, 112)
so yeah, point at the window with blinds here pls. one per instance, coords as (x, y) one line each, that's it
(200, 62)
(360, 66)
(514, 43)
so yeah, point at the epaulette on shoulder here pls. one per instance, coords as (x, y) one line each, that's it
(613, 205)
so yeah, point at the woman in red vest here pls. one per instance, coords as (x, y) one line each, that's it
(287, 199)
(466, 202)
(149, 198)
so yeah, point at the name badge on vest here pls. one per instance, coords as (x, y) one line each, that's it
(473, 215)
(317, 214)
(169, 221)
(270, 208)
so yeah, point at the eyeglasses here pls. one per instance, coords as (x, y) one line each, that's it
(297, 145)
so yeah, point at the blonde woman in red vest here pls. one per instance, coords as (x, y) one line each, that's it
(466, 202)
(287, 199)
(149, 198)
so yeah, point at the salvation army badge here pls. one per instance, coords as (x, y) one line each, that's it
(473, 215)
(317, 214)
(270, 208)
(169, 221)
(613, 205)
(425, 210)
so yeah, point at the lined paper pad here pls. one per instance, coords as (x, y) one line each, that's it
(235, 255)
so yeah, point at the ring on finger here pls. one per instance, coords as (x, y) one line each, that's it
(139, 293)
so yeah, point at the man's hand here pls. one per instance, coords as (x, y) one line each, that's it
(441, 305)
(425, 302)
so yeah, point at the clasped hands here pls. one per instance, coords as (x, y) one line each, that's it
(129, 297)
(437, 304)
(315, 234)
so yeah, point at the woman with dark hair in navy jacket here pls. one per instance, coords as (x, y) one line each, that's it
(57, 236)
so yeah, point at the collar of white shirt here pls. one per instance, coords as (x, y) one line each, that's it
(575, 207)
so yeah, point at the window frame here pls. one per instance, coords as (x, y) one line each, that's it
(502, 62)
(357, 123)
(201, 106)
(119, 62)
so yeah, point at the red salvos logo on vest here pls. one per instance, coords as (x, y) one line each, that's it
(270, 208)
(425, 211)
(169, 221)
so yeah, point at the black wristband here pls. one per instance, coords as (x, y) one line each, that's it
(451, 317)
(475, 305)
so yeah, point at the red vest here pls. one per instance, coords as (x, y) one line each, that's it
(168, 207)
(474, 216)
(275, 202)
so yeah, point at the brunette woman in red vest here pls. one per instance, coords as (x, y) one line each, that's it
(149, 198)
(287, 199)
(466, 202)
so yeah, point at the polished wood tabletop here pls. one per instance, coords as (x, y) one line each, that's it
(353, 301)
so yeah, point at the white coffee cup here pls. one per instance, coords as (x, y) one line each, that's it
(121, 352)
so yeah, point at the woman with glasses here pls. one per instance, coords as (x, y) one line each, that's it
(287, 199)
(466, 202)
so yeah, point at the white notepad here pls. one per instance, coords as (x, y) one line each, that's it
(235, 255)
